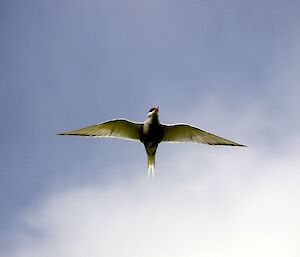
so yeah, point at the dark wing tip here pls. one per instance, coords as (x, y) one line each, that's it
(239, 145)
(233, 144)
(72, 134)
(64, 134)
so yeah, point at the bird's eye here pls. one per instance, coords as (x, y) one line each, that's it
(152, 109)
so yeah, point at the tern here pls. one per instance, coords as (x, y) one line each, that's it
(150, 132)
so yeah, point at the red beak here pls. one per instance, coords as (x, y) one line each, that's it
(157, 109)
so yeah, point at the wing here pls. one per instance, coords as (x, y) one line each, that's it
(119, 128)
(187, 133)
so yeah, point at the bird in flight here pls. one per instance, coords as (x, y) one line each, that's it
(150, 132)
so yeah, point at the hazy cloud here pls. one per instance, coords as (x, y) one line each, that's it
(211, 201)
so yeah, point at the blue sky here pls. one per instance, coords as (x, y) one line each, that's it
(229, 67)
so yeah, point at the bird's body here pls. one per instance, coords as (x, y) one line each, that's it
(151, 136)
(151, 133)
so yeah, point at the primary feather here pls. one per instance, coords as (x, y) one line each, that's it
(187, 133)
(119, 128)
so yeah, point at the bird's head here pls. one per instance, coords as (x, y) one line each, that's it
(153, 112)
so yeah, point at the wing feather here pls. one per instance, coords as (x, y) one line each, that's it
(188, 133)
(119, 128)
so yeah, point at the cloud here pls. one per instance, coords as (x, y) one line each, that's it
(205, 201)
(225, 202)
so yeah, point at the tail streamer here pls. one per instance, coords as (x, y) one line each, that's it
(151, 165)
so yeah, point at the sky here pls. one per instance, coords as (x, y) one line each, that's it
(229, 67)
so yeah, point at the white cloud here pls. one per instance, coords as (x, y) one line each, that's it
(233, 202)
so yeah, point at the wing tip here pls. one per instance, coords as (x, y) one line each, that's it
(238, 145)
(227, 144)
(63, 134)
(67, 134)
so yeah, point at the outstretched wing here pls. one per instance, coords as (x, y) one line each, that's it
(119, 128)
(187, 133)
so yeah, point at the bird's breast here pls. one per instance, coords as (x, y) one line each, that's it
(152, 133)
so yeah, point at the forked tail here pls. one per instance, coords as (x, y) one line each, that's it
(151, 164)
